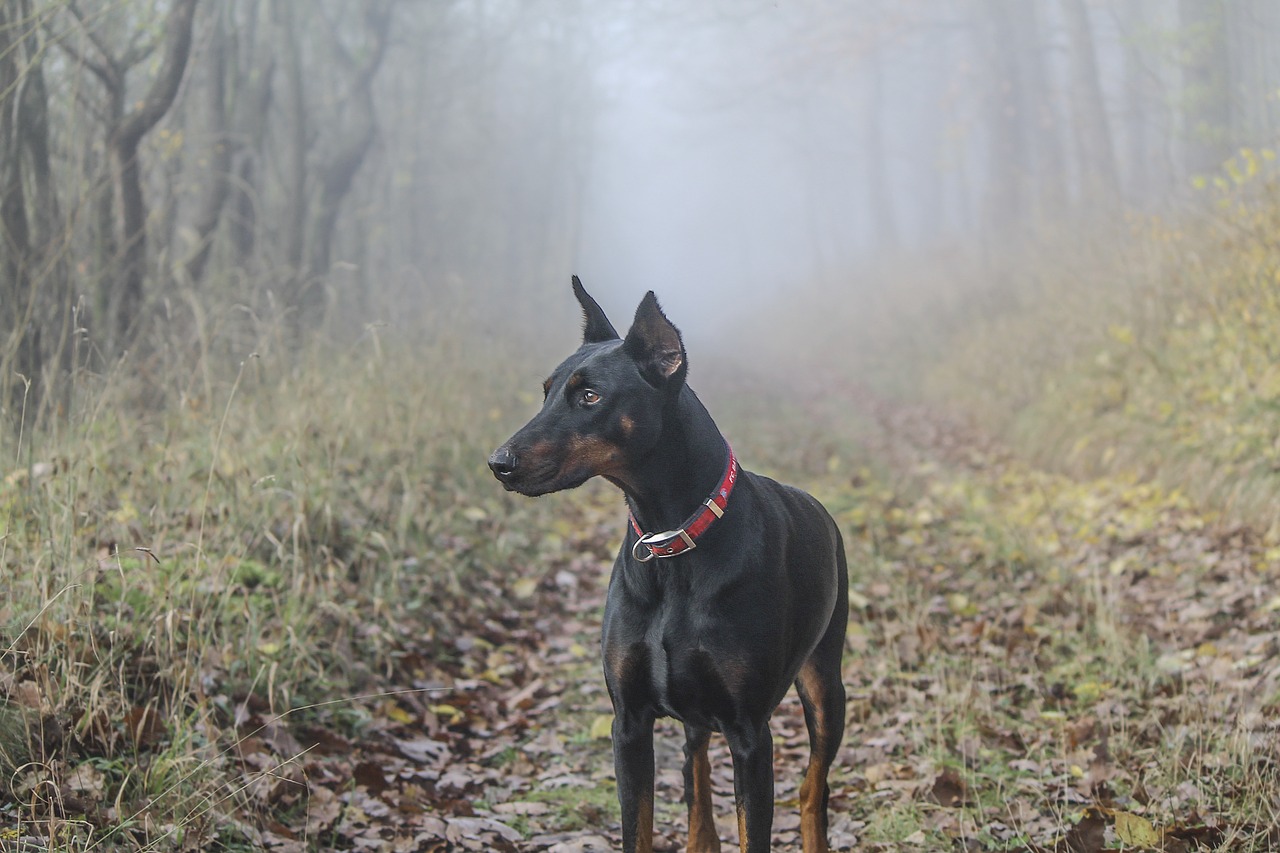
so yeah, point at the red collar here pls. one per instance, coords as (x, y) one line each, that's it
(677, 541)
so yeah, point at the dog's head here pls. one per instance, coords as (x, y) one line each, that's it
(603, 407)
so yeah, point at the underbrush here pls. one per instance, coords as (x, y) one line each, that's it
(1142, 346)
(281, 536)
(1155, 357)
(1043, 663)
(1069, 645)
(250, 599)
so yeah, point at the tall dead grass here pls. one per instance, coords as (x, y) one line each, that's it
(210, 531)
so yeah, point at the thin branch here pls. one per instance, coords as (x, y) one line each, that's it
(164, 88)
(105, 73)
(136, 52)
(90, 33)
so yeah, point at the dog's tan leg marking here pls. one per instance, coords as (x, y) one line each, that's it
(813, 792)
(703, 837)
(644, 825)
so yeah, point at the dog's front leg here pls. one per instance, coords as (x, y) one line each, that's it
(633, 765)
(752, 750)
(703, 837)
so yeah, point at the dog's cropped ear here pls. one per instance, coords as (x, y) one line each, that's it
(655, 344)
(595, 325)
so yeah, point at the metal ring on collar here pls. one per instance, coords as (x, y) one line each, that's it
(635, 551)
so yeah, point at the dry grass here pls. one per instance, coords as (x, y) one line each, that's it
(231, 533)
(1087, 623)
(213, 534)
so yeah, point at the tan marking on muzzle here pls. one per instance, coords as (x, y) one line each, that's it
(594, 453)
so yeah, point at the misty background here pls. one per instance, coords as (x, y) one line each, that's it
(314, 165)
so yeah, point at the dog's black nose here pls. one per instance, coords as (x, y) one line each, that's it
(503, 463)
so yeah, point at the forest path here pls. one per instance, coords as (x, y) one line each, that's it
(1034, 663)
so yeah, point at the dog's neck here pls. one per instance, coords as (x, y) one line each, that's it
(682, 469)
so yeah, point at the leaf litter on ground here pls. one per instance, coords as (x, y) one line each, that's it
(1034, 663)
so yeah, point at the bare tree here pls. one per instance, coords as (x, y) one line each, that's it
(1205, 104)
(33, 277)
(1008, 164)
(124, 132)
(220, 149)
(358, 125)
(1041, 120)
(1100, 176)
(884, 222)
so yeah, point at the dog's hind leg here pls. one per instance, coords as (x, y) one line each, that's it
(703, 837)
(822, 694)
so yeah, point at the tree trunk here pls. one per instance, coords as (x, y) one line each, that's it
(337, 174)
(124, 142)
(1252, 27)
(220, 143)
(15, 232)
(1046, 182)
(1207, 117)
(1004, 204)
(296, 182)
(883, 224)
(34, 288)
(254, 94)
(1100, 178)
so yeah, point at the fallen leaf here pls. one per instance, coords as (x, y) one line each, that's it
(949, 790)
(1087, 836)
(453, 714)
(522, 808)
(369, 774)
(1135, 830)
(601, 727)
(399, 715)
(422, 749)
(85, 779)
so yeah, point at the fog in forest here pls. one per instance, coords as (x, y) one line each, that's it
(336, 163)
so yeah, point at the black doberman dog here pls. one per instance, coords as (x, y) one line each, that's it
(745, 593)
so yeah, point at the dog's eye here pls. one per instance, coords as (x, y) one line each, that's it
(589, 397)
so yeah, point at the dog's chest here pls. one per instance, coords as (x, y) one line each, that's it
(682, 661)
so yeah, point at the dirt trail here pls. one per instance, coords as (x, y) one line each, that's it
(1034, 664)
